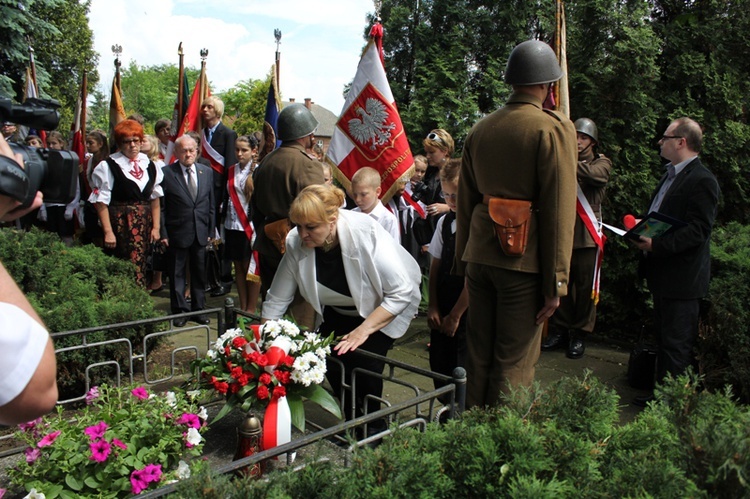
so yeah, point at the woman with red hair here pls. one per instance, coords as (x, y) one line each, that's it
(126, 188)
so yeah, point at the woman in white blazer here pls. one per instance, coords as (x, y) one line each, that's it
(363, 285)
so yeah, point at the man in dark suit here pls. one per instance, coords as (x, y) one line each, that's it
(217, 146)
(187, 226)
(677, 264)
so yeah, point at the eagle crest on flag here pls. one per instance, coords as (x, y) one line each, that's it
(371, 125)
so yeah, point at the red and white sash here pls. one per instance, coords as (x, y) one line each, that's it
(586, 213)
(212, 155)
(407, 197)
(253, 271)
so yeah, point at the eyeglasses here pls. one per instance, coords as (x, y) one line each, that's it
(435, 137)
(667, 137)
(449, 196)
(128, 142)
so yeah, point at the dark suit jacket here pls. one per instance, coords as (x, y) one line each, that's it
(223, 142)
(679, 266)
(182, 219)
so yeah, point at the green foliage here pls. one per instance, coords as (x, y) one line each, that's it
(96, 453)
(151, 91)
(558, 443)
(245, 105)
(75, 288)
(724, 342)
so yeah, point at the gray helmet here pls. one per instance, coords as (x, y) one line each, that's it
(587, 127)
(531, 63)
(295, 121)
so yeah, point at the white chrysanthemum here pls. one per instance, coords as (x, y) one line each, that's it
(230, 334)
(211, 354)
(183, 470)
(193, 436)
(306, 378)
(289, 327)
(297, 376)
(301, 364)
(271, 329)
(171, 399)
(322, 352)
(312, 337)
(203, 413)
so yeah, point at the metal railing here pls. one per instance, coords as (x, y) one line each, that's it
(416, 411)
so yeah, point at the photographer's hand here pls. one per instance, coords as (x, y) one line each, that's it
(8, 205)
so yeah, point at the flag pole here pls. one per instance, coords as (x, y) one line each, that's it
(84, 96)
(180, 89)
(32, 65)
(277, 36)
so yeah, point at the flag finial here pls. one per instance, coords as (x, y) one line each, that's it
(204, 54)
(116, 51)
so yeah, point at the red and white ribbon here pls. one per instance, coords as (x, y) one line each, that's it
(277, 424)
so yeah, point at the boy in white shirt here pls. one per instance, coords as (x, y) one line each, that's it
(366, 194)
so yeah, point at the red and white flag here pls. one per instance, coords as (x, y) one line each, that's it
(369, 131)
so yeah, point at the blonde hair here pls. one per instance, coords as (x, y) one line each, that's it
(317, 203)
(439, 139)
(153, 154)
(366, 176)
(217, 103)
(419, 158)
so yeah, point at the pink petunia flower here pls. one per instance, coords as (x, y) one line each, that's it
(118, 443)
(139, 393)
(96, 431)
(32, 455)
(30, 425)
(92, 395)
(48, 439)
(139, 479)
(100, 450)
(152, 473)
(137, 484)
(189, 419)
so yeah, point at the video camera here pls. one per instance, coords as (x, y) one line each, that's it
(55, 173)
(419, 191)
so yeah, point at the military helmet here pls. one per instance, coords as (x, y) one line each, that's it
(587, 127)
(531, 63)
(295, 121)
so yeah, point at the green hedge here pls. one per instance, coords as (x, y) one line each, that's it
(74, 288)
(561, 442)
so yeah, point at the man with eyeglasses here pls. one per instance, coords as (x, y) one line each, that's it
(520, 153)
(677, 264)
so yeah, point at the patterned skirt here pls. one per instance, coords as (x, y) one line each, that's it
(131, 223)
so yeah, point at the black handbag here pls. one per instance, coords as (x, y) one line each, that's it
(642, 365)
(156, 259)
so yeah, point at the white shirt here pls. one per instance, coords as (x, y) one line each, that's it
(436, 244)
(232, 221)
(378, 270)
(22, 344)
(102, 179)
(385, 218)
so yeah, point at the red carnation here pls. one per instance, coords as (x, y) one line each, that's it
(221, 386)
(262, 360)
(265, 378)
(262, 392)
(239, 342)
(234, 387)
(279, 392)
(283, 376)
(289, 360)
(227, 351)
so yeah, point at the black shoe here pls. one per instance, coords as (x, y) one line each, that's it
(575, 348)
(553, 341)
(179, 322)
(219, 291)
(643, 400)
(201, 319)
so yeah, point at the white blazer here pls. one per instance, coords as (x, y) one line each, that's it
(378, 270)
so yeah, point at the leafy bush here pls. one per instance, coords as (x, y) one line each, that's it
(119, 444)
(724, 344)
(75, 288)
(562, 442)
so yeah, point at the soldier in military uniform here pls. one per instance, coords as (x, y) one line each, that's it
(278, 179)
(575, 318)
(519, 152)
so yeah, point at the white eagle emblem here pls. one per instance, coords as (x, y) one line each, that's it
(371, 126)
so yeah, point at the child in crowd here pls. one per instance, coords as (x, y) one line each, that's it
(238, 230)
(327, 173)
(33, 141)
(366, 194)
(97, 145)
(449, 299)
